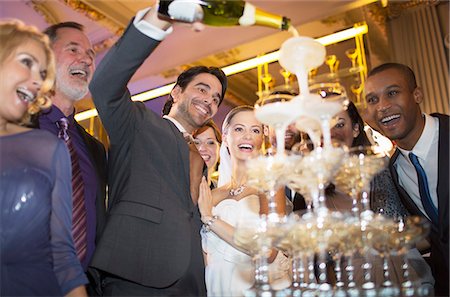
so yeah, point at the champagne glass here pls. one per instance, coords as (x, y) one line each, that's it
(276, 111)
(310, 126)
(357, 90)
(410, 230)
(297, 246)
(266, 173)
(257, 235)
(353, 55)
(330, 99)
(360, 166)
(333, 64)
(287, 78)
(381, 237)
(299, 55)
(312, 74)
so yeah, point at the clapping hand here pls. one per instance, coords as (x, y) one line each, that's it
(205, 201)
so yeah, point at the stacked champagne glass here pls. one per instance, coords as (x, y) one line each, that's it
(313, 238)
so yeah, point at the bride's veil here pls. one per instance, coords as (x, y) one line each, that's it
(224, 166)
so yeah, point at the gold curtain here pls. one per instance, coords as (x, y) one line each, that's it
(416, 39)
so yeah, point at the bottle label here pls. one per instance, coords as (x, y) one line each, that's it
(188, 11)
(248, 17)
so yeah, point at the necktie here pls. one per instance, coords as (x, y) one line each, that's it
(79, 221)
(196, 166)
(424, 191)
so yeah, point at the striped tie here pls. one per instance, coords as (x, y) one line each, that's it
(79, 208)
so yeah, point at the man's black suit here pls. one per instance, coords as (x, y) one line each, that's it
(439, 234)
(152, 235)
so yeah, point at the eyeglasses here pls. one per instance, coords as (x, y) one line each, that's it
(208, 143)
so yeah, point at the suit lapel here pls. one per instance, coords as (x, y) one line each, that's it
(407, 201)
(443, 170)
(183, 150)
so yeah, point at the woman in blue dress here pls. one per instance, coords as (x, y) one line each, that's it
(37, 254)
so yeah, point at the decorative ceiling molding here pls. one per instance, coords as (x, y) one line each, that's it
(395, 9)
(40, 7)
(95, 16)
(105, 44)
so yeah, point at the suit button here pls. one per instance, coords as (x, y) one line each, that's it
(191, 214)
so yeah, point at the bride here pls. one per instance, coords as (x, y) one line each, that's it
(229, 269)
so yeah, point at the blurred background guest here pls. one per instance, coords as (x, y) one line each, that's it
(38, 256)
(207, 139)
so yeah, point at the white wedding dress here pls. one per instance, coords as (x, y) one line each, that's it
(229, 272)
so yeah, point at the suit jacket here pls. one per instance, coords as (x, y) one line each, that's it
(298, 201)
(152, 233)
(439, 234)
(98, 158)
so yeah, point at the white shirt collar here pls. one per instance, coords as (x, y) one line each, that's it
(425, 142)
(176, 123)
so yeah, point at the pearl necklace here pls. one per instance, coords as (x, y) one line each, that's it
(238, 190)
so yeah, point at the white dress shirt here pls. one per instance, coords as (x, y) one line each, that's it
(426, 149)
(147, 28)
(176, 123)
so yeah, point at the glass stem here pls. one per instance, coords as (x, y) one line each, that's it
(386, 277)
(325, 125)
(298, 271)
(355, 208)
(311, 276)
(322, 261)
(350, 269)
(338, 271)
(366, 266)
(257, 262)
(280, 130)
(302, 77)
(272, 205)
(321, 206)
(263, 267)
(365, 202)
(406, 283)
(315, 197)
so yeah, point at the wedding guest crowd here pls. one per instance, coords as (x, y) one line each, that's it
(38, 256)
(148, 218)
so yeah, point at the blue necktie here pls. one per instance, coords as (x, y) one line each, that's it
(424, 191)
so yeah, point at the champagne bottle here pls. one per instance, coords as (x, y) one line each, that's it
(220, 13)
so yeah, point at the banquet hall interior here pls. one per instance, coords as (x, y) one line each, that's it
(414, 32)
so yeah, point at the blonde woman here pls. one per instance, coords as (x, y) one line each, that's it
(37, 251)
(229, 269)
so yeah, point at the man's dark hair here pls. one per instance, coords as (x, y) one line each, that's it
(188, 75)
(52, 33)
(407, 72)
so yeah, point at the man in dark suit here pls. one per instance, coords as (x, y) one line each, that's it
(151, 244)
(74, 67)
(420, 163)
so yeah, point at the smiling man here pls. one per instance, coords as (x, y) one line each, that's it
(151, 245)
(74, 57)
(420, 164)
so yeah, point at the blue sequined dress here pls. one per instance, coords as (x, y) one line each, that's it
(37, 254)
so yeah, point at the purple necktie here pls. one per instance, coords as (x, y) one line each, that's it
(79, 208)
